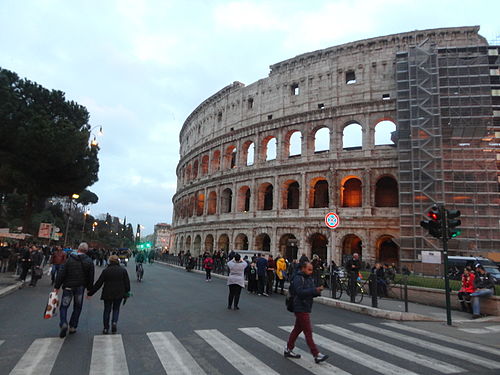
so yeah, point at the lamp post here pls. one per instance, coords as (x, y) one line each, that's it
(73, 197)
(84, 221)
(93, 142)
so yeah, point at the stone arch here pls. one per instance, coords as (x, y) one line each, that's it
(188, 244)
(244, 196)
(263, 242)
(195, 170)
(212, 203)
(188, 173)
(387, 250)
(352, 192)
(352, 136)
(319, 245)
(200, 203)
(351, 244)
(241, 242)
(384, 129)
(318, 193)
(293, 143)
(265, 195)
(181, 244)
(209, 243)
(269, 148)
(386, 192)
(322, 139)
(192, 201)
(248, 153)
(197, 245)
(226, 201)
(288, 246)
(230, 157)
(215, 162)
(205, 164)
(223, 242)
(291, 195)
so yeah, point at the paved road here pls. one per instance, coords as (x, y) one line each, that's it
(178, 324)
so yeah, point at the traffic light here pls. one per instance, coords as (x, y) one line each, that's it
(148, 245)
(453, 223)
(434, 226)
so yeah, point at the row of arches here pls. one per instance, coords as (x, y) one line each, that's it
(386, 194)
(267, 150)
(386, 248)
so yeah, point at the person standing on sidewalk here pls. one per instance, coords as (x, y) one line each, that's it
(25, 261)
(485, 287)
(116, 287)
(76, 276)
(353, 266)
(261, 264)
(236, 280)
(280, 274)
(271, 269)
(57, 260)
(37, 257)
(303, 291)
(4, 258)
(208, 265)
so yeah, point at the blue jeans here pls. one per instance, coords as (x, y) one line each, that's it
(55, 270)
(75, 294)
(115, 305)
(477, 295)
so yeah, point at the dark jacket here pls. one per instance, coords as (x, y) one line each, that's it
(116, 283)
(36, 258)
(77, 271)
(353, 265)
(484, 281)
(304, 291)
(261, 266)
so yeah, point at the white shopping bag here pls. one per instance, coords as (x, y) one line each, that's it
(51, 308)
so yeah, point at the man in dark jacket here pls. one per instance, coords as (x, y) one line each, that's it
(25, 261)
(485, 285)
(303, 291)
(36, 256)
(116, 287)
(271, 269)
(261, 264)
(76, 276)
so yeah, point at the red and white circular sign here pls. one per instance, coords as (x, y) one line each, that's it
(332, 220)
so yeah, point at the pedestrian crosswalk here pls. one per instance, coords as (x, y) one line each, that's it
(357, 348)
(482, 331)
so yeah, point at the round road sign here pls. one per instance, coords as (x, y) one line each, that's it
(332, 220)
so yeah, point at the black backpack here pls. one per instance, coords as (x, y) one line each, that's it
(290, 297)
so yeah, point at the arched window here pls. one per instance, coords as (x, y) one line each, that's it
(383, 132)
(269, 148)
(249, 153)
(188, 244)
(204, 165)
(223, 242)
(263, 242)
(244, 199)
(350, 245)
(295, 143)
(188, 173)
(230, 157)
(288, 246)
(352, 137)
(241, 242)
(319, 244)
(387, 250)
(227, 198)
(200, 203)
(197, 245)
(215, 161)
(266, 197)
(192, 200)
(319, 196)
(322, 140)
(212, 203)
(195, 169)
(209, 243)
(386, 192)
(352, 193)
(291, 195)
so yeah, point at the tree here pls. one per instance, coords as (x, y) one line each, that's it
(87, 197)
(44, 148)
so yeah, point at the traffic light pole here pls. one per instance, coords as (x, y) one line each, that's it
(444, 232)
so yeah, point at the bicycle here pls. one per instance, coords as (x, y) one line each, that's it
(343, 284)
(140, 271)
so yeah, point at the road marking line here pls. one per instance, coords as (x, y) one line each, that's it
(108, 356)
(278, 345)
(39, 358)
(493, 328)
(357, 356)
(475, 331)
(464, 356)
(174, 357)
(394, 350)
(2, 341)
(238, 357)
(444, 338)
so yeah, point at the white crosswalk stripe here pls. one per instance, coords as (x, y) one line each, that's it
(448, 339)
(2, 341)
(464, 356)
(238, 357)
(39, 358)
(278, 345)
(394, 350)
(108, 356)
(175, 359)
(357, 356)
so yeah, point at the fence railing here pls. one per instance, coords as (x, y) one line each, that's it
(219, 266)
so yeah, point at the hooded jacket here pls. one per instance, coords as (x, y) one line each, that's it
(77, 271)
(303, 291)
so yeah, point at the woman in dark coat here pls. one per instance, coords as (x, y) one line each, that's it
(116, 287)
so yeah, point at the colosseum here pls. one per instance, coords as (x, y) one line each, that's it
(375, 130)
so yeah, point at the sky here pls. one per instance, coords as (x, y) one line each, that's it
(140, 67)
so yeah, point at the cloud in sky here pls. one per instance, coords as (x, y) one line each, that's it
(141, 67)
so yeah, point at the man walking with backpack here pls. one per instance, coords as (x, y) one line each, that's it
(302, 291)
(76, 276)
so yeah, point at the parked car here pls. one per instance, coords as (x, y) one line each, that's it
(456, 265)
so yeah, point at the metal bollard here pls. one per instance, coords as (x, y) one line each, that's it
(374, 283)
(406, 292)
(352, 287)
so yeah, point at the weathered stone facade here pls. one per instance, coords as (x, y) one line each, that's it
(278, 202)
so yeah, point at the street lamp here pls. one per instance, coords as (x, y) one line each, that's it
(84, 221)
(93, 142)
(72, 198)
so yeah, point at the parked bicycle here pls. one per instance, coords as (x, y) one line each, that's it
(343, 285)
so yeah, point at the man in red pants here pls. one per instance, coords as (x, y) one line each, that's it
(302, 290)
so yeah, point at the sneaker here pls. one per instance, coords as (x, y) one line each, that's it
(105, 331)
(476, 316)
(113, 328)
(290, 354)
(236, 308)
(72, 330)
(320, 358)
(265, 294)
(64, 330)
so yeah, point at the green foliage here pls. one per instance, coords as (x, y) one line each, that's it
(87, 197)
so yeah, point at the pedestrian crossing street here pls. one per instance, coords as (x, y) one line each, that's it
(357, 348)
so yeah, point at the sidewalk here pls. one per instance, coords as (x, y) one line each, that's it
(387, 308)
(9, 283)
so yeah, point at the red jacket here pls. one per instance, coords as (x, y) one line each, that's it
(468, 283)
(208, 263)
(59, 257)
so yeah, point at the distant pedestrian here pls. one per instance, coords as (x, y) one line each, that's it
(236, 280)
(5, 253)
(252, 279)
(25, 262)
(271, 269)
(466, 290)
(485, 285)
(261, 264)
(208, 265)
(57, 260)
(76, 276)
(37, 257)
(280, 274)
(303, 259)
(302, 290)
(116, 287)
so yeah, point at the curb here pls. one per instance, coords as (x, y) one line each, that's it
(362, 309)
(9, 289)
